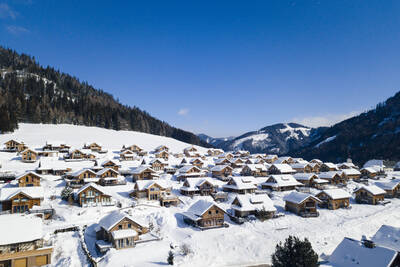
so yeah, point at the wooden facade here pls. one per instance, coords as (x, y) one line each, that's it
(26, 254)
(29, 179)
(13, 145)
(28, 155)
(91, 196)
(151, 192)
(365, 196)
(331, 203)
(20, 203)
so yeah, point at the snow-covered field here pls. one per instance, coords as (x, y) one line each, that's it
(251, 243)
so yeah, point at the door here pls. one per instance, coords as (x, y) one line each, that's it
(20, 262)
(41, 260)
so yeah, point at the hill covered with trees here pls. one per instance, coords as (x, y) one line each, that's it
(32, 93)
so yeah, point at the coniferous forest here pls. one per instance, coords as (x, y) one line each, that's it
(31, 93)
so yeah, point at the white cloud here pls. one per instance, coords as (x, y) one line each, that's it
(326, 120)
(16, 30)
(6, 11)
(183, 111)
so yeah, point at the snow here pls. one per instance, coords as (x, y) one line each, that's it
(373, 189)
(388, 236)
(17, 229)
(124, 233)
(298, 197)
(336, 193)
(257, 140)
(8, 192)
(293, 132)
(329, 139)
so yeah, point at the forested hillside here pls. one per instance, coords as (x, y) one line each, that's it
(32, 93)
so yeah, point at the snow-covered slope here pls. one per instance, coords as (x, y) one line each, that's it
(36, 135)
(214, 141)
(278, 139)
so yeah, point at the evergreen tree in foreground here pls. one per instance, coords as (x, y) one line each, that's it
(294, 253)
(170, 259)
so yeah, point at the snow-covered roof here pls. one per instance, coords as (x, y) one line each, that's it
(144, 184)
(330, 165)
(370, 170)
(281, 180)
(374, 163)
(221, 160)
(6, 193)
(101, 172)
(388, 185)
(300, 165)
(352, 252)
(142, 168)
(351, 171)
(257, 167)
(124, 233)
(194, 183)
(254, 202)
(329, 175)
(299, 197)
(110, 220)
(95, 186)
(17, 228)
(373, 189)
(284, 168)
(388, 236)
(201, 206)
(187, 168)
(336, 193)
(304, 176)
(77, 173)
(218, 168)
(28, 172)
(241, 183)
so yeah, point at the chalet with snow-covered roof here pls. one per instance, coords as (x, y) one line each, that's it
(150, 189)
(189, 171)
(222, 172)
(347, 165)
(280, 169)
(302, 167)
(91, 195)
(162, 154)
(214, 152)
(351, 173)
(334, 177)
(317, 161)
(28, 179)
(53, 167)
(307, 179)
(271, 158)
(47, 153)
(281, 182)
(302, 204)
(80, 177)
(94, 147)
(392, 188)
(222, 161)
(144, 172)
(198, 186)
(241, 185)
(315, 167)
(14, 145)
(120, 230)
(22, 242)
(108, 176)
(369, 172)
(334, 198)
(354, 253)
(127, 155)
(20, 199)
(189, 149)
(237, 163)
(60, 146)
(369, 194)
(161, 148)
(78, 154)
(197, 162)
(328, 167)
(158, 164)
(226, 155)
(246, 205)
(29, 155)
(284, 160)
(205, 215)
(256, 170)
(134, 148)
(108, 163)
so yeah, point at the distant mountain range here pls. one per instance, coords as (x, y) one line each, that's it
(275, 139)
(372, 134)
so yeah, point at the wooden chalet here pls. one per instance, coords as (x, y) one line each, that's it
(20, 199)
(369, 172)
(281, 182)
(307, 179)
(144, 172)
(29, 155)
(60, 146)
(315, 167)
(13, 145)
(222, 161)
(281, 168)
(94, 147)
(161, 148)
(91, 195)
(351, 173)
(109, 176)
(158, 164)
(241, 185)
(150, 189)
(284, 160)
(127, 155)
(205, 215)
(370, 194)
(189, 171)
(134, 148)
(29, 179)
(53, 167)
(198, 186)
(22, 242)
(302, 167)
(197, 162)
(328, 167)
(80, 177)
(189, 151)
(392, 188)
(247, 205)
(237, 163)
(334, 177)
(302, 204)
(162, 154)
(334, 198)
(256, 170)
(271, 158)
(108, 163)
(222, 172)
(120, 230)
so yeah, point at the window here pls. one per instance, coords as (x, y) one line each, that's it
(216, 212)
(129, 225)
(209, 212)
(120, 227)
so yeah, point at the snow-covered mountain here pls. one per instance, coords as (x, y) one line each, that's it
(214, 141)
(277, 139)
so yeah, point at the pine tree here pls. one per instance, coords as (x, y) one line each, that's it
(170, 259)
(294, 253)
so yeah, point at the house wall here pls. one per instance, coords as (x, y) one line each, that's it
(214, 217)
(29, 180)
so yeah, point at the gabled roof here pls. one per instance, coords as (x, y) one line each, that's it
(95, 186)
(351, 171)
(241, 183)
(388, 185)
(218, 168)
(145, 184)
(77, 173)
(113, 218)
(201, 207)
(194, 183)
(281, 180)
(329, 175)
(101, 172)
(305, 176)
(142, 168)
(299, 197)
(373, 189)
(352, 252)
(370, 170)
(336, 193)
(187, 168)
(388, 236)
(330, 165)
(28, 172)
(17, 228)
(6, 193)
(254, 202)
(284, 168)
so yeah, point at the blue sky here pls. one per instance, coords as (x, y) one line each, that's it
(219, 67)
